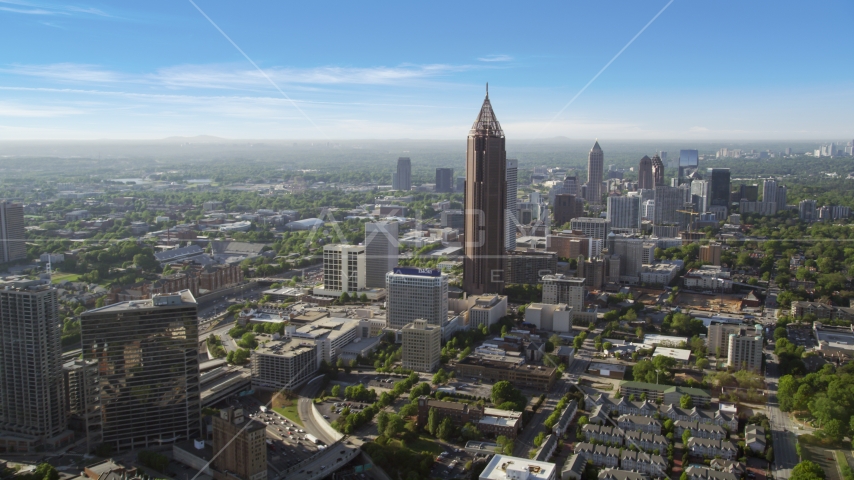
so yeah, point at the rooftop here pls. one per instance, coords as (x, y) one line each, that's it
(612, 367)
(288, 347)
(183, 298)
(675, 353)
(504, 467)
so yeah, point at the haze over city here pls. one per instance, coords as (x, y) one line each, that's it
(435, 241)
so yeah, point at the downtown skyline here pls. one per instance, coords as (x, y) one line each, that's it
(696, 72)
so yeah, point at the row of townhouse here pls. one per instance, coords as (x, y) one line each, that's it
(708, 448)
(649, 442)
(615, 474)
(621, 406)
(728, 421)
(600, 455)
(704, 473)
(603, 434)
(565, 418)
(700, 430)
(604, 405)
(652, 465)
(639, 423)
(547, 448)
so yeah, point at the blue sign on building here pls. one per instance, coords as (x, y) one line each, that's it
(424, 272)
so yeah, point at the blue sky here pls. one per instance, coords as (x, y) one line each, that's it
(358, 70)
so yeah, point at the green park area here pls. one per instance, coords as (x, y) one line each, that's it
(290, 412)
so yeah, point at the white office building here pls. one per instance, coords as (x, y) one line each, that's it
(415, 293)
(343, 270)
(624, 212)
(591, 226)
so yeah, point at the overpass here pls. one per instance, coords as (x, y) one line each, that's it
(222, 383)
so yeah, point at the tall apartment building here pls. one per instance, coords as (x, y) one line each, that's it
(630, 250)
(283, 364)
(711, 254)
(745, 349)
(567, 207)
(343, 270)
(12, 246)
(624, 212)
(718, 337)
(592, 270)
(240, 443)
(807, 211)
(591, 227)
(485, 204)
(402, 178)
(570, 185)
(562, 289)
(595, 166)
(83, 404)
(781, 197)
(32, 397)
(769, 190)
(148, 358)
(700, 195)
(528, 267)
(415, 293)
(667, 201)
(444, 180)
(511, 222)
(422, 346)
(657, 171)
(381, 252)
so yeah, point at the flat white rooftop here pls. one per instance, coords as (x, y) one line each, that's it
(505, 467)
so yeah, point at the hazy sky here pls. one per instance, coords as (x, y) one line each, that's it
(702, 70)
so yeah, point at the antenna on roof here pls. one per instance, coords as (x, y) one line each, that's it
(487, 89)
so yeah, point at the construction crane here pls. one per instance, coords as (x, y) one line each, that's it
(691, 218)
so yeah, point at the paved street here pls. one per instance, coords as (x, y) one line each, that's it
(783, 431)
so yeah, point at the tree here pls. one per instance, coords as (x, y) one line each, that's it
(556, 340)
(432, 421)
(506, 396)
(505, 444)
(344, 298)
(440, 377)
(702, 363)
(394, 426)
(834, 430)
(583, 420)
(686, 401)
(336, 390)
(807, 470)
(685, 436)
(780, 332)
(446, 428)
(382, 421)
(607, 345)
(769, 455)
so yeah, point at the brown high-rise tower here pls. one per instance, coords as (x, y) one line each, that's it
(485, 201)
(645, 177)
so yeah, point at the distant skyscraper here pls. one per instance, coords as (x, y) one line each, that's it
(781, 197)
(381, 252)
(624, 212)
(461, 185)
(147, 353)
(807, 211)
(719, 187)
(32, 398)
(657, 171)
(769, 191)
(512, 199)
(645, 178)
(416, 293)
(402, 179)
(688, 160)
(444, 180)
(595, 165)
(570, 185)
(567, 207)
(591, 227)
(663, 156)
(630, 250)
(485, 204)
(12, 246)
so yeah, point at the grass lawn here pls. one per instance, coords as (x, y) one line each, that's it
(290, 413)
(61, 277)
(423, 444)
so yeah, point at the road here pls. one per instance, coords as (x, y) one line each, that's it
(783, 431)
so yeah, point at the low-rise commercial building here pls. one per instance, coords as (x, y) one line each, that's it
(665, 394)
(494, 369)
(505, 467)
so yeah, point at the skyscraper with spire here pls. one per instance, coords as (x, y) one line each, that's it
(595, 165)
(645, 178)
(485, 202)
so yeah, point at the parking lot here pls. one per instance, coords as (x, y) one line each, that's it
(450, 463)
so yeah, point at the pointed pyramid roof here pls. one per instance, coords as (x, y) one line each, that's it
(486, 122)
(596, 146)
